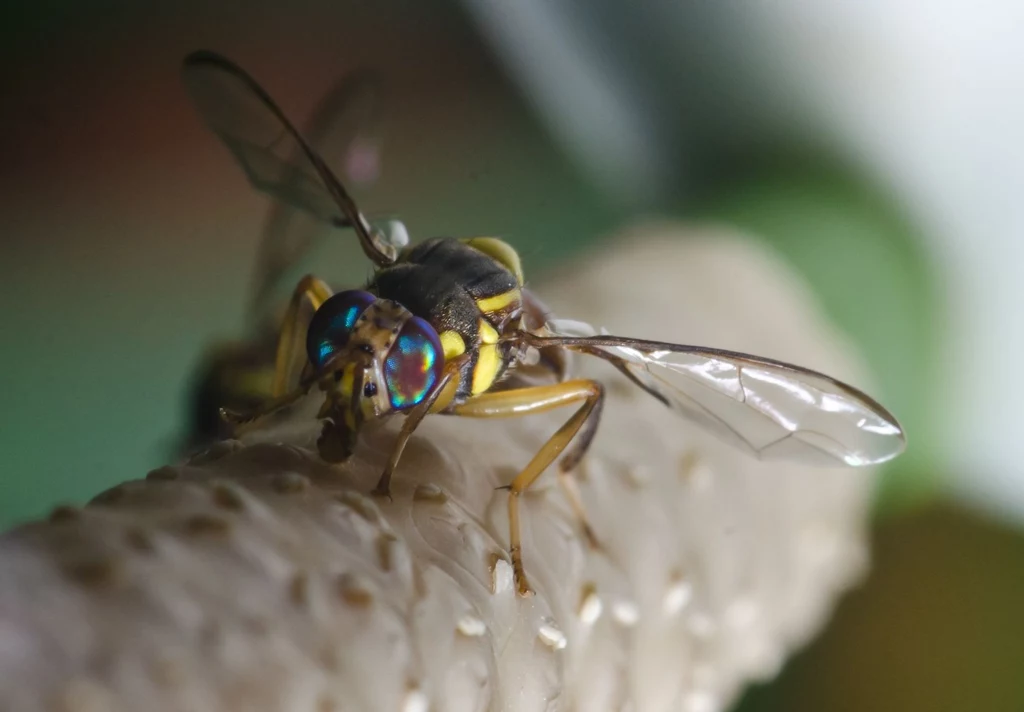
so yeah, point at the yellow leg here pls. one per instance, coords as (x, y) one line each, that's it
(572, 493)
(506, 404)
(309, 294)
(383, 488)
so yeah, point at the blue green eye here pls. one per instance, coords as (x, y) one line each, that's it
(331, 326)
(413, 365)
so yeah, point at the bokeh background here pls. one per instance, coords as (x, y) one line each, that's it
(879, 146)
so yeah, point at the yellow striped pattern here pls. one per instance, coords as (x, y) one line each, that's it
(487, 362)
(498, 302)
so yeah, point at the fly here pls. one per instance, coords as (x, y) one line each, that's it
(441, 323)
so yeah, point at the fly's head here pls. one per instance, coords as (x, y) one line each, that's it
(372, 358)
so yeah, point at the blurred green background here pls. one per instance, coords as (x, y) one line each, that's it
(129, 237)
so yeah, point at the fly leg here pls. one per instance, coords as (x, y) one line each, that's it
(309, 294)
(291, 358)
(567, 466)
(383, 488)
(571, 460)
(524, 401)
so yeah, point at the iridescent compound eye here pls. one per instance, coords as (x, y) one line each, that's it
(332, 324)
(413, 365)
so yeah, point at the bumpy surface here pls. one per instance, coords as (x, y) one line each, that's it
(257, 578)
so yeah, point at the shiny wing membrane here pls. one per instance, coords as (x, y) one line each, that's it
(341, 131)
(275, 157)
(771, 409)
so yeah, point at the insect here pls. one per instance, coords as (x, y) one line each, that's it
(445, 325)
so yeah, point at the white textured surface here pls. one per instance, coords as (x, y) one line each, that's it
(257, 578)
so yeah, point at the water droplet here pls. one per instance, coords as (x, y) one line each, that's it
(431, 492)
(591, 606)
(353, 592)
(415, 701)
(701, 701)
(289, 483)
(551, 636)
(679, 594)
(626, 612)
(501, 574)
(471, 626)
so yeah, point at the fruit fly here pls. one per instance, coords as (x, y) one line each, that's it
(441, 325)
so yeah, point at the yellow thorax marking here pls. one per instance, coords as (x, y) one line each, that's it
(452, 344)
(487, 362)
(498, 302)
(487, 333)
(500, 251)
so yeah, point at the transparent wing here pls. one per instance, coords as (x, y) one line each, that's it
(771, 409)
(273, 154)
(342, 130)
